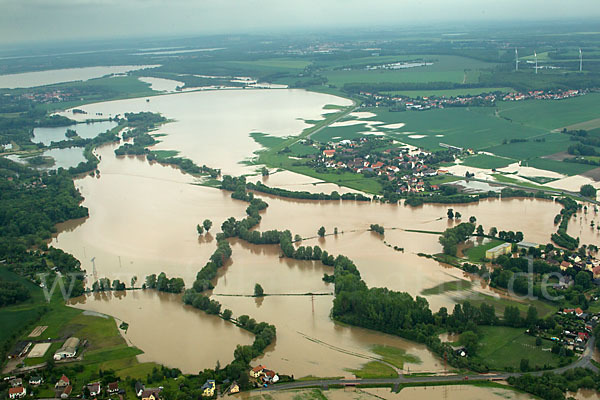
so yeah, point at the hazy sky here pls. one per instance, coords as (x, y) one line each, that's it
(40, 20)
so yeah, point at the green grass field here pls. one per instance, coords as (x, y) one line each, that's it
(373, 370)
(552, 143)
(476, 128)
(503, 348)
(477, 253)
(452, 286)
(559, 166)
(486, 161)
(395, 356)
(445, 68)
(551, 114)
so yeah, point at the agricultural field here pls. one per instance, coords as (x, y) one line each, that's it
(527, 131)
(559, 166)
(444, 69)
(486, 161)
(551, 114)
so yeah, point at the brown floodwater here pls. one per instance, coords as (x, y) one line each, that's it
(535, 218)
(381, 266)
(213, 127)
(251, 264)
(143, 220)
(585, 394)
(580, 226)
(310, 343)
(168, 332)
(292, 181)
(454, 392)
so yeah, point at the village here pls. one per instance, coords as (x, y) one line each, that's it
(401, 103)
(27, 380)
(405, 168)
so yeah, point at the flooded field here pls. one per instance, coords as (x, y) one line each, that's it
(213, 127)
(460, 392)
(143, 220)
(57, 134)
(292, 181)
(167, 331)
(531, 216)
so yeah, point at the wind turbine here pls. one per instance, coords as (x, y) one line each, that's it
(516, 59)
(535, 55)
(580, 60)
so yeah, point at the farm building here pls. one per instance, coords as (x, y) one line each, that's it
(20, 349)
(68, 349)
(497, 251)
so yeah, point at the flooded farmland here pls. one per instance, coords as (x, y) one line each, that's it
(143, 217)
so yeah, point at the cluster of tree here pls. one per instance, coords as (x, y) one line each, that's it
(511, 236)
(184, 164)
(105, 285)
(451, 214)
(163, 284)
(260, 187)
(377, 228)
(551, 386)
(12, 292)
(442, 198)
(581, 149)
(588, 190)
(243, 355)
(31, 204)
(92, 161)
(209, 271)
(201, 302)
(451, 237)
(139, 146)
(581, 160)
(206, 225)
(561, 237)
(70, 133)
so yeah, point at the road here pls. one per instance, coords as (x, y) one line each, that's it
(583, 362)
